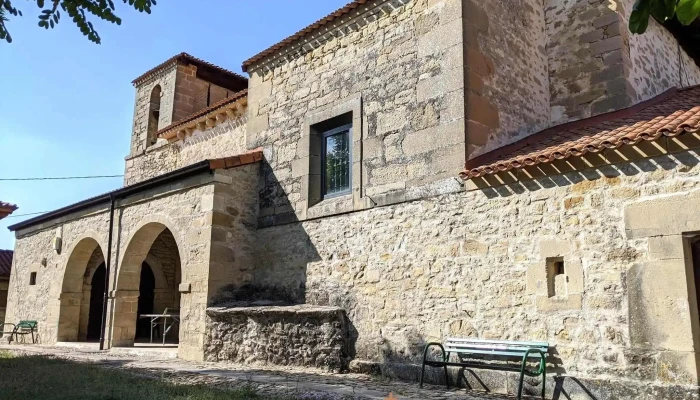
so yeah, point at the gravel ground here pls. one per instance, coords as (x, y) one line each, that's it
(270, 380)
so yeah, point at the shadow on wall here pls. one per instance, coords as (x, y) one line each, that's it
(571, 171)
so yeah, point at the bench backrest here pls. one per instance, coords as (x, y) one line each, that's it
(27, 324)
(497, 348)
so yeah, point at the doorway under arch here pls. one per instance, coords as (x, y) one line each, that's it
(77, 293)
(147, 283)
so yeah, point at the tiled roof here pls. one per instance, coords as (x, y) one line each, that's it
(249, 157)
(219, 104)
(6, 209)
(5, 262)
(246, 158)
(187, 58)
(316, 25)
(670, 114)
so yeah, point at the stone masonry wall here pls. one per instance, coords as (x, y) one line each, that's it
(597, 66)
(187, 210)
(225, 140)
(474, 264)
(4, 284)
(278, 335)
(506, 80)
(41, 302)
(401, 63)
(588, 59)
(658, 62)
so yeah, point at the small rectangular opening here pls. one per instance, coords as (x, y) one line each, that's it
(555, 273)
(32, 278)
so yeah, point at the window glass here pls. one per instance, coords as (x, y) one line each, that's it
(337, 162)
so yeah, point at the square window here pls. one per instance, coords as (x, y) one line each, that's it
(336, 163)
(32, 278)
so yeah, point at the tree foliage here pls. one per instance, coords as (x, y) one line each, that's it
(686, 11)
(77, 10)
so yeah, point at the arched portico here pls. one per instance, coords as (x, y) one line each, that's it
(152, 246)
(75, 295)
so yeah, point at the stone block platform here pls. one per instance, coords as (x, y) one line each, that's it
(264, 333)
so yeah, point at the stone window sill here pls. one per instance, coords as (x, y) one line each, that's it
(331, 206)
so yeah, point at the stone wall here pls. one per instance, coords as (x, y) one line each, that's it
(305, 336)
(225, 140)
(596, 65)
(4, 284)
(397, 67)
(658, 62)
(506, 82)
(193, 94)
(474, 264)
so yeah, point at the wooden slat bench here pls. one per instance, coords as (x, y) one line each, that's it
(490, 354)
(21, 328)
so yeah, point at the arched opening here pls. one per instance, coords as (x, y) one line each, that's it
(148, 285)
(147, 288)
(77, 293)
(96, 304)
(153, 115)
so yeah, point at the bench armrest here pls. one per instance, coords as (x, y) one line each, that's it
(427, 348)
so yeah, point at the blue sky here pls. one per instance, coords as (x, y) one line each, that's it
(66, 104)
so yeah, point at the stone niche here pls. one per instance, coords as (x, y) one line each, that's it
(297, 335)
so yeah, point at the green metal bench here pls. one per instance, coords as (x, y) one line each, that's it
(21, 328)
(500, 354)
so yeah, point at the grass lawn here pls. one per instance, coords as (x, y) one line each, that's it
(42, 378)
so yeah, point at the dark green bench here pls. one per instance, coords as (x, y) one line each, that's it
(20, 328)
(473, 353)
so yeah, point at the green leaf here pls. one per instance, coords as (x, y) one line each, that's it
(639, 19)
(688, 11)
(663, 10)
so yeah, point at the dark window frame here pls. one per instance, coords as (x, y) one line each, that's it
(32, 278)
(324, 136)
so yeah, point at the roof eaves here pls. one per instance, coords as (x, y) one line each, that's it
(348, 8)
(250, 157)
(498, 160)
(184, 58)
(171, 130)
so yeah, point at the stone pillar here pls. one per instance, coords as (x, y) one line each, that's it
(663, 316)
(84, 313)
(123, 317)
(69, 323)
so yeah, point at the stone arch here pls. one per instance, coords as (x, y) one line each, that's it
(72, 292)
(153, 115)
(126, 296)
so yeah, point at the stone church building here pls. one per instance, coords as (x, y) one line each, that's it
(399, 172)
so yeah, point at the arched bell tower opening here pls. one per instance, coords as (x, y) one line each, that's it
(153, 115)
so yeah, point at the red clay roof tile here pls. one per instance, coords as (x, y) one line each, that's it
(6, 209)
(316, 25)
(670, 114)
(249, 157)
(187, 58)
(219, 104)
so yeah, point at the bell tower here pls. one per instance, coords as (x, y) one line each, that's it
(174, 90)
